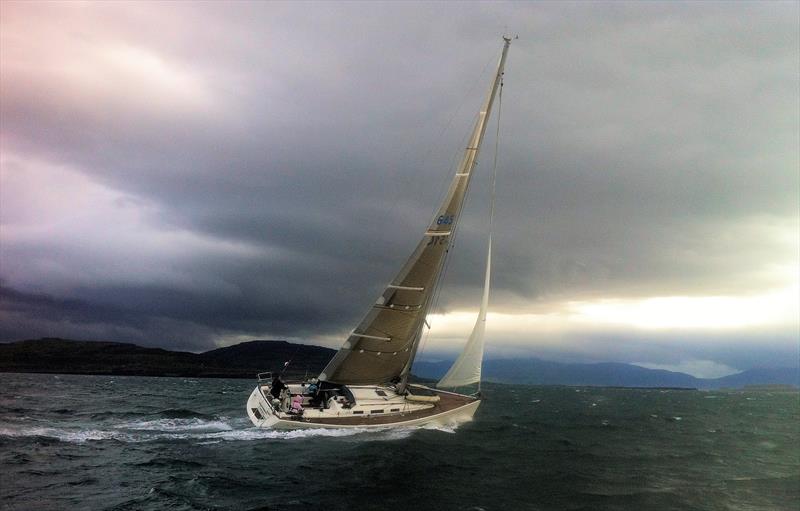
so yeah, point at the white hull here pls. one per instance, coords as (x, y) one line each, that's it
(383, 345)
(269, 417)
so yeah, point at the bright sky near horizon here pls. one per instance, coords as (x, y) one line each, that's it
(188, 175)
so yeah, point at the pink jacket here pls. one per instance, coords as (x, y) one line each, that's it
(297, 403)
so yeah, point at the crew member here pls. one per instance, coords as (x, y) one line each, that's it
(277, 387)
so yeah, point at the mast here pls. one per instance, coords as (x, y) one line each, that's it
(466, 370)
(383, 346)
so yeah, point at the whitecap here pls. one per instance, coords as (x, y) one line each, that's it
(448, 427)
(393, 434)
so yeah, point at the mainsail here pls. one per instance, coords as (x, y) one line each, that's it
(383, 345)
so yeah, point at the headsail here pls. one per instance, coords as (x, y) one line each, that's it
(466, 370)
(383, 345)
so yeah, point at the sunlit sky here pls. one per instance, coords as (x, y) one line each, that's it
(189, 175)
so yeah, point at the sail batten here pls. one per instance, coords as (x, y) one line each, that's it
(389, 333)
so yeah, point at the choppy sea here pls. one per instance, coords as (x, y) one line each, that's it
(129, 443)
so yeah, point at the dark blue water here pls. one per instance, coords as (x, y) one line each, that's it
(124, 443)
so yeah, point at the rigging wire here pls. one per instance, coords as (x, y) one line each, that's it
(287, 363)
(437, 288)
(491, 210)
(422, 161)
(494, 165)
(458, 152)
(406, 178)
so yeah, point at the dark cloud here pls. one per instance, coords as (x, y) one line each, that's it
(271, 165)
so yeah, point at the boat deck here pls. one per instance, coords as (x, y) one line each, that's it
(446, 403)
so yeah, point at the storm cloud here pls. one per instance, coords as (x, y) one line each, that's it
(189, 175)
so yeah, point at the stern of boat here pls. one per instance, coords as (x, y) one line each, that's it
(260, 410)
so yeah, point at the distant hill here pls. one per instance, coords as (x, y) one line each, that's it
(761, 376)
(257, 356)
(243, 360)
(534, 371)
(246, 359)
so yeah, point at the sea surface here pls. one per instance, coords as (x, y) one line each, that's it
(129, 443)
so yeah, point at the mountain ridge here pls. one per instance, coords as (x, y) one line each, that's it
(243, 360)
(246, 359)
(535, 371)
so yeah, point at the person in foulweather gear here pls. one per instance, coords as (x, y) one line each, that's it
(297, 404)
(286, 399)
(313, 387)
(277, 387)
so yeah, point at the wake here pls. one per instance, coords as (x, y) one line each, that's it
(208, 431)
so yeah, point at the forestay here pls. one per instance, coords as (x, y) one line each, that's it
(383, 345)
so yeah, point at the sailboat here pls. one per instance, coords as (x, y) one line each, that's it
(366, 383)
